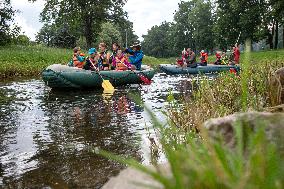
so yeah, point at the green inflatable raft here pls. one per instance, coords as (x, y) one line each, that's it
(210, 68)
(61, 76)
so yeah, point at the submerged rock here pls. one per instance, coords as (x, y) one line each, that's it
(131, 178)
(224, 127)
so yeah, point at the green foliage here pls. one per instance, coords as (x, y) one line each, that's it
(109, 34)
(194, 24)
(125, 28)
(56, 36)
(158, 42)
(83, 17)
(7, 30)
(21, 40)
(30, 60)
(235, 16)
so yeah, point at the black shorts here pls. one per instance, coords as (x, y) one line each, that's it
(106, 65)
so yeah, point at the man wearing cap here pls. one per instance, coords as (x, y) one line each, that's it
(92, 60)
(136, 55)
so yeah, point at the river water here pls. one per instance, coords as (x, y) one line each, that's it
(48, 138)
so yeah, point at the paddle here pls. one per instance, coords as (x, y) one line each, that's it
(107, 86)
(142, 77)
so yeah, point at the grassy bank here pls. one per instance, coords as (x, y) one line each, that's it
(19, 61)
(229, 93)
(29, 60)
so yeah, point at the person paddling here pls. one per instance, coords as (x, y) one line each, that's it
(136, 56)
(92, 60)
(104, 57)
(115, 48)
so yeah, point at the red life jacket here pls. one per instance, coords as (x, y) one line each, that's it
(218, 56)
(204, 57)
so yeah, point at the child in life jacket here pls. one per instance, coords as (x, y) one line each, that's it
(203, 58)
(184, 56)
(120, 62)
(78, 59)
(218, 59)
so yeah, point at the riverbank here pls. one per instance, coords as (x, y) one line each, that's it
(29, 61)
(243, 150)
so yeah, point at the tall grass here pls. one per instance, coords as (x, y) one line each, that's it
(229, 93)
(30, 60)
(198, 161)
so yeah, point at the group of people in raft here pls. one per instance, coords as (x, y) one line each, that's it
(117, 59)
(188, 58)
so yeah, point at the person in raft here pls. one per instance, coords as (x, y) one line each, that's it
(188, 59)
(104, 57)
(203, 58)
(218, 58)
(120, 61)
(92, 60)
(236, 52)
(182, 62)
(115, 48)
(136, 56)
(191, 62)
(78, 59)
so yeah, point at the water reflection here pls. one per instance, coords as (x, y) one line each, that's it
(47, 137)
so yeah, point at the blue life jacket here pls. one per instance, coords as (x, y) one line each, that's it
(136, 58)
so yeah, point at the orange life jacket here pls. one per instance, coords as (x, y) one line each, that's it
(120, 64)
(77, 63)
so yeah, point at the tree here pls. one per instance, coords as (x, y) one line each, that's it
(46, 34)
(157, 41)
(57, 36)
(125, 28)
(235, 16)
(193, 25)
(22, 40)
(277, 11)
(109, 34)
(6, 20)
(84, 17)
(183, 29)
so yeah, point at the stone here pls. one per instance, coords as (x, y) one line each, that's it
(224, 127)
(276, 87)
(131, 178)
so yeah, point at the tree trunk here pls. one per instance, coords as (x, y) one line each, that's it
(283, 35)
(88, 31)
(271, 36)
(248, 44)
(276, 35)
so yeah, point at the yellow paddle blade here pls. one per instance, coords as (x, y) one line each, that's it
(107, 85)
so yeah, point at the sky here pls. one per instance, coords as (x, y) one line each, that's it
(143, 13)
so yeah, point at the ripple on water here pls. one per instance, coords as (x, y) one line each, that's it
(47, 137)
